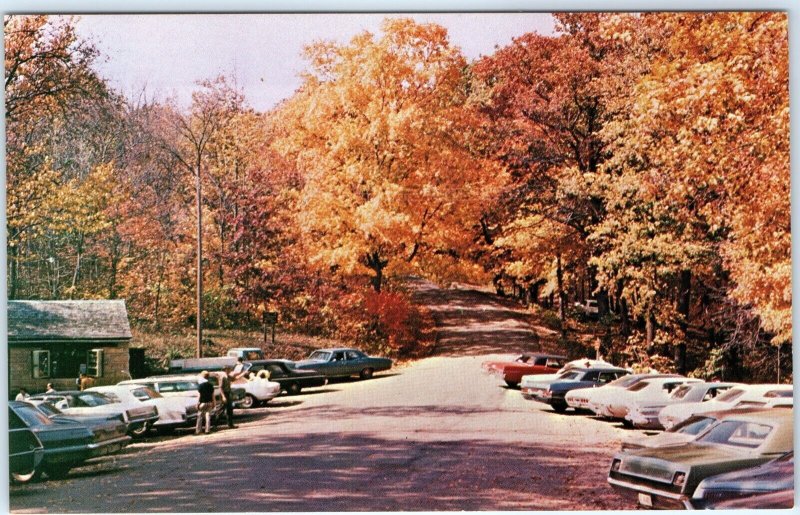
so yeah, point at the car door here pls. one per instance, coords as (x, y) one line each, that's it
(354, 362)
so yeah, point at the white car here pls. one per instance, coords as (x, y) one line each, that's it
(85, 403)
(742, 396)
(184, 387)
(643, 413)
(578, 363)
(594, 398)
(650, 388)
(172, 411)
(257, 391)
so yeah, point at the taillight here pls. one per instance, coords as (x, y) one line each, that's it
(679, 479)
(615, 464)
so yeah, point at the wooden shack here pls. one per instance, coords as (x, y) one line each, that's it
(54, 341)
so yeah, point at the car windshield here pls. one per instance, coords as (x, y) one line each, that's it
(692, 425)
(289, 364)
(32, 416)
(738, 433)
(731, 395)
(568, 376)
(681, 392)
(91, 400)
(320, 355)
(523, 359)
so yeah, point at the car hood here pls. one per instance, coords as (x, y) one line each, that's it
(307, 363)
(689, 455)
(661, 440)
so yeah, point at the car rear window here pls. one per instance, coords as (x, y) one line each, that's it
(779, 393)
(32, 416)
(681, 391)
(641, 385)
(177, 386)
(739, 433)
(91, 400)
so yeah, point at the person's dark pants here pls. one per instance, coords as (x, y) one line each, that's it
(229, 411)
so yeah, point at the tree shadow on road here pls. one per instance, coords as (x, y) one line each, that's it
(351, 472)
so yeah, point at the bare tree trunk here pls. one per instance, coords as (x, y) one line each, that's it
(76, 271)
(13, 261)
(684, 300)
(650, 330)
(374, 261)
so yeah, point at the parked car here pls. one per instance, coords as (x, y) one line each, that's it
(771, 477)
(588, 308)
(184, 386)
(25, 451)
(780, 500)
(582, 399)
(643, 412)
(258, 391)
(667, 477)
(681, 433)
(172, 412)
(527, 364)
(650, 390)
(72, 402)
(344, 362)
(745, 395)
(246, 353)
(67, 444)
(554, 392)
(284, 372)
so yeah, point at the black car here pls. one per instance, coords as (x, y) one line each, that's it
(291, 379)
(769, 478)
(25, 451)
(67, 443)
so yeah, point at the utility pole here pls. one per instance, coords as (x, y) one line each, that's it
(199, 263)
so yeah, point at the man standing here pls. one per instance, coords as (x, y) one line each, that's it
(227, 397)
(50, 388)
(205, 403)
(22, 395)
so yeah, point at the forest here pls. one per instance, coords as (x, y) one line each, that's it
(641, 160)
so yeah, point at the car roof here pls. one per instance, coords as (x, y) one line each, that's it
(596, 369)
(155, 379)
(335, 349)
(752, 414)
(267, 361)
(544, 355)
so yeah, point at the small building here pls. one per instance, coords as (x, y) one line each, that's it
(54, 341)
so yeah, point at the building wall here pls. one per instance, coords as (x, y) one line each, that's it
(20, 368)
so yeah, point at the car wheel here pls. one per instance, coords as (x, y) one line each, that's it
(512, 384)
(249, 402)
(293, 389)
(559, 408)
(25, 478)
(627, 424)
(366, 373)
(141, 431)
(57, 471)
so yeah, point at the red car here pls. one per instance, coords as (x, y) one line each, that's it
(527, 364)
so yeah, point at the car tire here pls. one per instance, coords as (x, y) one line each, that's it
(512, 384)
(21, 479)
(559, 407)
(249, 402)
(366, 373)
(293, 389)
(57, 471)
(141, 431)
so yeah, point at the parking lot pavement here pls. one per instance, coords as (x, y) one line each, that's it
(437, 434)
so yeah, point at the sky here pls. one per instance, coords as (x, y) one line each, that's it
(167, 54)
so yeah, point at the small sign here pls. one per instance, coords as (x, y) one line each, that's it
(270, 317)
(645, 500)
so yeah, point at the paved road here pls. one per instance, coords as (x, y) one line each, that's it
(437, 434)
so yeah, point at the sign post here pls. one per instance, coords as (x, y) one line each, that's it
(270, 319)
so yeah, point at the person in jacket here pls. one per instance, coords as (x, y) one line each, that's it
(205, 403)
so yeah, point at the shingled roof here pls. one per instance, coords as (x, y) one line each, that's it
(51, 320)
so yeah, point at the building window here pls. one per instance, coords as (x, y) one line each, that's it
(41, 363)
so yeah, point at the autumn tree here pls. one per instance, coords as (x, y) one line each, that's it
(382, 138)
